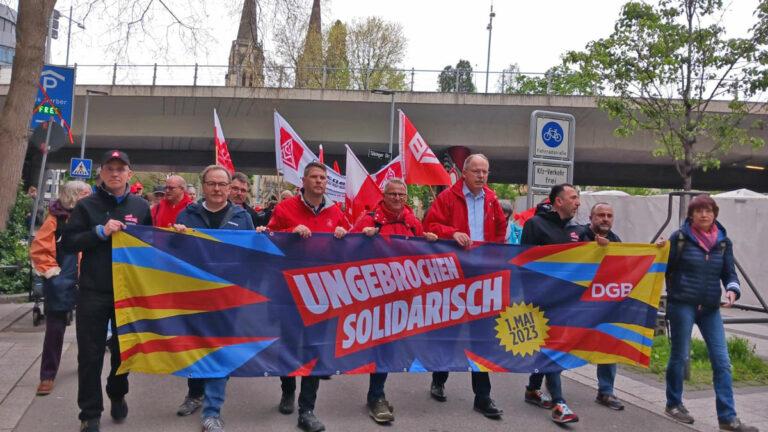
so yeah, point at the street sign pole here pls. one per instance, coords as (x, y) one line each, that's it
(40, 192)
(85, 123)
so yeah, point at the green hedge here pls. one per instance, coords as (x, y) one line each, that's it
(14, 249)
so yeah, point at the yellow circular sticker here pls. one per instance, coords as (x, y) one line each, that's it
(522, 328)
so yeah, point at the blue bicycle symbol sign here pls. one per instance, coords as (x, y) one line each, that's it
(552, 134)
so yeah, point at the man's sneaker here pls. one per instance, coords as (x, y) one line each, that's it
(609, 400)
(538, 398)
(91, 425)
(737, 425)
(308, 422)
(381, 411)
(437, 391)
(679, 413)
(286, 405)
(119, 409)
(189, 406)
(562, 414)
(213, 424)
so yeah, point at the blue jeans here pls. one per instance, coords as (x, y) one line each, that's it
(554, 386)
(215, 391)
(681, 319)
(606, 375)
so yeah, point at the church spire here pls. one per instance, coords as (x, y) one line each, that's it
(246, 57)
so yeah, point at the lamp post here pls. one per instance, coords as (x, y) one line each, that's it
(88, 94)
(390, 93)
(69, 34)
(488, 61)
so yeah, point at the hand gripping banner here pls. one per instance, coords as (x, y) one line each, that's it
(212, 303)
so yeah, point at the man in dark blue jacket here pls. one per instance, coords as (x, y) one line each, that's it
(215, 212)
(89, 230)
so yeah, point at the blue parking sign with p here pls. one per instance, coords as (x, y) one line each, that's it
(80, 168)
(55, 96)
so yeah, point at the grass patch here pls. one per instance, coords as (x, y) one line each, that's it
(747, 368)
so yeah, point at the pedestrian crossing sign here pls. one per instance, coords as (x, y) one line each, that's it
(80, 168)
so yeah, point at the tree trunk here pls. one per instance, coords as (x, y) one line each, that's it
(31, 33)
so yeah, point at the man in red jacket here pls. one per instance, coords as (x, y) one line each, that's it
(468, 211)
(165, 211)
(307, 212)
(390, 217)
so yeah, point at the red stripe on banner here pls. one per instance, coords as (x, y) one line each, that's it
(304, 370)
(566, 339)
(185, 343)
(540, 252)
(484, 362)
(207, 300)
(364, 369)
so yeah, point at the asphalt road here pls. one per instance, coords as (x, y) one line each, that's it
(252, 406)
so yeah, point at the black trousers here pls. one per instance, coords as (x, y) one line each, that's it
(94, 310)
(481, 384)
(308, 393)
(195, 387)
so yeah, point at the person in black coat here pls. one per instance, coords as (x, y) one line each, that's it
(89, 230)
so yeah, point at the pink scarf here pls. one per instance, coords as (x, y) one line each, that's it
(708, 239)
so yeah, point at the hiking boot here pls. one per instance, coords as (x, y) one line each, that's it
(119, 409)
(538, 398)
(45, 387)
(308, 422)
(189, 406)
(381, 411)
(562, 414)
(737, 425)
(437, 391)
(679, 413)
(609, 400)
(286, 405)
(488, 408)
(91, 425)
(213, 424)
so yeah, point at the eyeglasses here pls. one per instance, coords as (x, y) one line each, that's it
(220, 185)
(479, 173)
(238, 189)
(396, 195)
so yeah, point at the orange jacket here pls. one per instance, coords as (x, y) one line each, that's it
(42, 252)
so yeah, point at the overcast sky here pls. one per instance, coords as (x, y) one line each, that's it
(531, 33)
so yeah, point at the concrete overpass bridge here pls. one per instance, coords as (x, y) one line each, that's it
(170, 128)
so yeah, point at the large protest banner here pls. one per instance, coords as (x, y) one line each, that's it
(210, 303)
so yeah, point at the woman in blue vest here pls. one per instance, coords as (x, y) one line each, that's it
(700, 260)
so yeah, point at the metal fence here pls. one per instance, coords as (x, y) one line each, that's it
(416, 80)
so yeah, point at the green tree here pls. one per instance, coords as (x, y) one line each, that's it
(336, 58)
(447, 80)
(375, 48)
(13, 245)
(557, 80)
(670, 69)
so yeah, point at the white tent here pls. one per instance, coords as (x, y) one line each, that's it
(741, 193)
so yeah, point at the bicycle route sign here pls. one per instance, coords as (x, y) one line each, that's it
(552, 138)
(550, 152)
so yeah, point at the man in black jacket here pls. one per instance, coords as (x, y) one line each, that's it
(89, 230)
(551, 225)
(600, 229)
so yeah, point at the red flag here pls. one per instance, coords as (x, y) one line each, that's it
(222, 152)
(336, 167)
(322, 155)
(362, 193)
(394, 169)
(420, 165)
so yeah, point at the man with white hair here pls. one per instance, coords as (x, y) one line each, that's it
(467, 212)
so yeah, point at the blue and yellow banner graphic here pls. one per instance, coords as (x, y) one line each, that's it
(212, 303)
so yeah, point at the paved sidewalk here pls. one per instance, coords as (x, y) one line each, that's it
(251, 402)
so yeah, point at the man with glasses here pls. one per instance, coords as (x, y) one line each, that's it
(89, 230)
(467, 212)
(307, 212)
(238, 194)
(165, 211)
(215, 212)
(391, 216)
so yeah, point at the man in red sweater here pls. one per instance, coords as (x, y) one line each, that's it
(307, 212)
(468, 211)
(165, 211)
(390, 217)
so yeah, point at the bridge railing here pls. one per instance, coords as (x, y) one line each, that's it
(274, 76)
